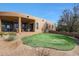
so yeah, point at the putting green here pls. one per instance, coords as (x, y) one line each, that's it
(48, 40)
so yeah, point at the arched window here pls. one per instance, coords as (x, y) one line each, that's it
(46, 25)
(52, 26)
(37, 24)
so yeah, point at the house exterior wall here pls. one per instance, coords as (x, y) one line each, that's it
(41, 22)
(42, 25)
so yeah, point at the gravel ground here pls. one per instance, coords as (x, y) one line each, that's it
(16, 48)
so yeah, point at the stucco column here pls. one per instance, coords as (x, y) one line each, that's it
(0, 25)
(19, 24)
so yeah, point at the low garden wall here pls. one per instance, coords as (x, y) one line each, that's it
(73, 34)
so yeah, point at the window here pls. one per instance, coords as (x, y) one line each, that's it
(8, 26)
(52, 26)
(37, 25)
(46, 25)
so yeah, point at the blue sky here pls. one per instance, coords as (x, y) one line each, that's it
(52, 11)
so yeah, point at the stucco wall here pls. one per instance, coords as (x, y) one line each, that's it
(42, 26)
(41, 22)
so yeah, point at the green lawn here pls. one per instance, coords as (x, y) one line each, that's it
(47, 40)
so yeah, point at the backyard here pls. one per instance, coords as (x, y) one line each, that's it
(43, 44)
(47, 40)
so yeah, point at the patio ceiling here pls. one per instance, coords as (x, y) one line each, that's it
(15, 19)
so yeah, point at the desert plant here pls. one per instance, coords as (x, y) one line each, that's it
(73, 34)
(43, 52)
(8, 36)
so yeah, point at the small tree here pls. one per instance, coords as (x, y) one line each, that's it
(69, 21)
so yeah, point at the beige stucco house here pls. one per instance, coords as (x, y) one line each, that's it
(16, 22)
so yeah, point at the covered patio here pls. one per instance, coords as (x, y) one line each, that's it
(16, 24)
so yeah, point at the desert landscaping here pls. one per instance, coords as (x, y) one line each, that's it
(17, 48)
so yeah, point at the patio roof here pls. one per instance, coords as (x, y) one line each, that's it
(16, 15)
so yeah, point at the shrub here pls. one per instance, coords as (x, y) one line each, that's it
(73, 34)
(43, 52)
(8, 36)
